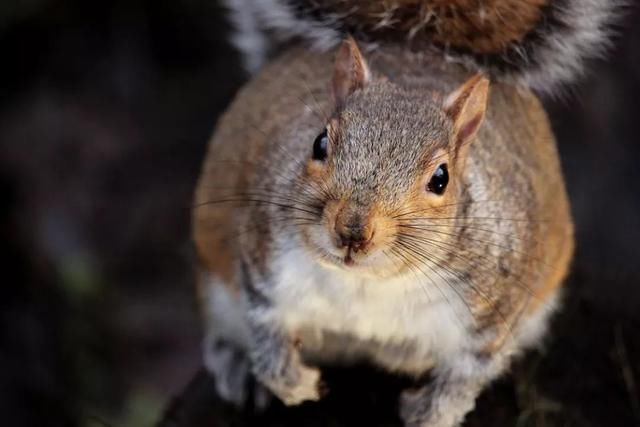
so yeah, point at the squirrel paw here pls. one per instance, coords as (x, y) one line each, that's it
(298, 383)
(307, 387)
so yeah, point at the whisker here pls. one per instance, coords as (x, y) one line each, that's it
(256, 201)
(303, 200)
(416, 256)
(287, 224)
(453, 250)
(401, 214)
(489, 218)
(429, 227)
(442, 263)
(410, 265)
(485, 242)
(323, 115)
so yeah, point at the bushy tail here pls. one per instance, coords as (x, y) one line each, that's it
(540, 43)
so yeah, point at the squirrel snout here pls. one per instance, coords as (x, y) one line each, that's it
(356, 233)
(356, 241)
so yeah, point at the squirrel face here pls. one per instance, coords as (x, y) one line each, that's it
(387, 159)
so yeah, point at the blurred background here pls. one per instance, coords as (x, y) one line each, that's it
(105, 111)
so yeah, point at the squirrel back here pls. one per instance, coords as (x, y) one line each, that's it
(537, 43)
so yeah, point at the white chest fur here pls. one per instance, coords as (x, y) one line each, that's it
(404, 323)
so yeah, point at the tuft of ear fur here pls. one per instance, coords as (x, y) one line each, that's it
(350, 72)
(466, 107)
(538, 43)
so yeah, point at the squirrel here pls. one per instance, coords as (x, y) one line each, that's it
(403, 206)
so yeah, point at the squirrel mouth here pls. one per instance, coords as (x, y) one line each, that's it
(348, 260)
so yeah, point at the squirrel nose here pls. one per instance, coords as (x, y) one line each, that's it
(354, 235)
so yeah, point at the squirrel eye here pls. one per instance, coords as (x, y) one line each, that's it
(439, 180)
(320, 146)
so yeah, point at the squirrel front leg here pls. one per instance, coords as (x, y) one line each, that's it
(453, 391)
(276, 360)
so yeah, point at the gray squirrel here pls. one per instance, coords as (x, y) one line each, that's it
(391, 206)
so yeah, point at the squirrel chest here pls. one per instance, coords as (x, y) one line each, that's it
(404, 323)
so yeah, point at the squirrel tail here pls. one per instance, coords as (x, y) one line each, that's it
(539, 43)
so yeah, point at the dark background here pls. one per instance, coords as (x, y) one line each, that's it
(105, 111)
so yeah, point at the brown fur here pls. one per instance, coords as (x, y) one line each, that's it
(387, 136)
(539, 44)
(273, 100)
(484, 27)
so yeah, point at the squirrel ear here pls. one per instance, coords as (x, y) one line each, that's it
(466, 106)
(350, 71)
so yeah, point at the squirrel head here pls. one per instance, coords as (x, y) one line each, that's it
(387, 159)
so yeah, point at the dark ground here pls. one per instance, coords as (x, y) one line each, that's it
(105, 110)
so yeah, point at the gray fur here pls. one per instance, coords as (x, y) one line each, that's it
(570, 33)
(230, 367)
(446, 314)
(381, 153)
(446, 400)
(277, 363)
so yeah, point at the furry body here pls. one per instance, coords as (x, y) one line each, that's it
(494, 270)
